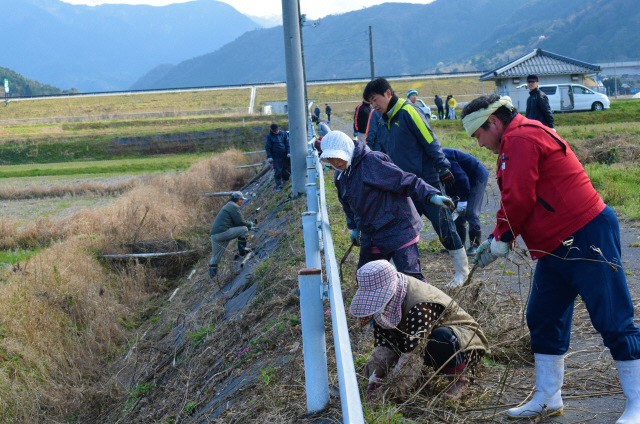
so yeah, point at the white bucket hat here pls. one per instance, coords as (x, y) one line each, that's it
(337, 145)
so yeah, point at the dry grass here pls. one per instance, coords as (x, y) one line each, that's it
(86, 188)
(62, 311)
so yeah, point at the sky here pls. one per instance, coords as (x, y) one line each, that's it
(314, 9)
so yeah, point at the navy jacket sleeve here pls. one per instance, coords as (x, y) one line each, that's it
(267, 145)
(352, 223)
(419, 126)
(383, 174)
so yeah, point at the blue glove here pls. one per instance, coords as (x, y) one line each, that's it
(490, 250)
(442, 201)
(355, 237)
(461, 208)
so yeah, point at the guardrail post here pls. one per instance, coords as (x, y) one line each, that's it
(311, 240)
(313, 339)
(312, 197)
(312, 171)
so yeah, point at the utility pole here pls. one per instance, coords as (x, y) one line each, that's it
(303, 19)
(295, 95)
(373, 69)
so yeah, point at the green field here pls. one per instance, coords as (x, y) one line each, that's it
(151, 164)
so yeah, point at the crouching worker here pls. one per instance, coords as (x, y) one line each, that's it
(376, 197)
(228, 225)
(414, 324)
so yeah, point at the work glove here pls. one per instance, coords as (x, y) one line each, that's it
(461, 208)
(269, 160)
(448, 181)
(288, 155)
(355, 237)
(442, 201)
(490, 250)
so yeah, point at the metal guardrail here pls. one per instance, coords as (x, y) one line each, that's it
(313, 292)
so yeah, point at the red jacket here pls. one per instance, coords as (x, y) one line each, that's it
(546, 194)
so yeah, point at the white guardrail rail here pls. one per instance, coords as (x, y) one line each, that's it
(313, 291)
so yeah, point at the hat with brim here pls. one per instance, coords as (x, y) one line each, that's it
(337, 145)
(237, 195)
(377, 283)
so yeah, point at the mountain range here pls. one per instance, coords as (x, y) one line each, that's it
(207, 43)
(108, 47)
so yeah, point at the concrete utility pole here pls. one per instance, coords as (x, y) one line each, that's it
(373, 69)
(295, 95)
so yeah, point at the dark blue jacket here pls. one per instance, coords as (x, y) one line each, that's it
(375, 196)
(538, 107)
(277, 145)
(406, 137)
(375, 120)
(466, 169)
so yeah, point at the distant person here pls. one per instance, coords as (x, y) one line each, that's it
(360, 120)
(538, 103)
(412, 95)
(452, 103)
(440, 106)
(316, 113)
(375, 120)
(376, 198)
(549, 200)
(323, 129)
(471, 182)
(327, 111)
(278, 154)
(412, 317)
(446, 106)
(405, 135)
(228, 225)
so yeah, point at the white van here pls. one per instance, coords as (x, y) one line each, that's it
(425, 109)
(573, 97)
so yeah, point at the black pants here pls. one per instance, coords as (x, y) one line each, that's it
(443, 348)
(281, 170)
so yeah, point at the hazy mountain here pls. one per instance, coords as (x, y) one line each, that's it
(109, 47)
(410, 39)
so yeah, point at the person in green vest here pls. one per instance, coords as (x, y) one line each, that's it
(414, 324)
(229, 225)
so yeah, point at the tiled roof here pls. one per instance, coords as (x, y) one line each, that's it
(540, 62)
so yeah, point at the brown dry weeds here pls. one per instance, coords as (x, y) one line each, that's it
(63, 311)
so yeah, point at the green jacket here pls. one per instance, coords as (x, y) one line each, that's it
(229, 217)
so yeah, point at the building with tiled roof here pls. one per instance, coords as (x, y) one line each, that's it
(510, 79)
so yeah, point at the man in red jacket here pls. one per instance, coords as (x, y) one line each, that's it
(548, 199)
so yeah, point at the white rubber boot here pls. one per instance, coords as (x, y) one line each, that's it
(547, 399)
(460, 266)
(629, 372)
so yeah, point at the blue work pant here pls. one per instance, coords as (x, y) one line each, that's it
(281, 170)
(591, 267)
(442, 222)
(406, 259)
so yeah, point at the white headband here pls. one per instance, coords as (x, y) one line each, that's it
(475, 120)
